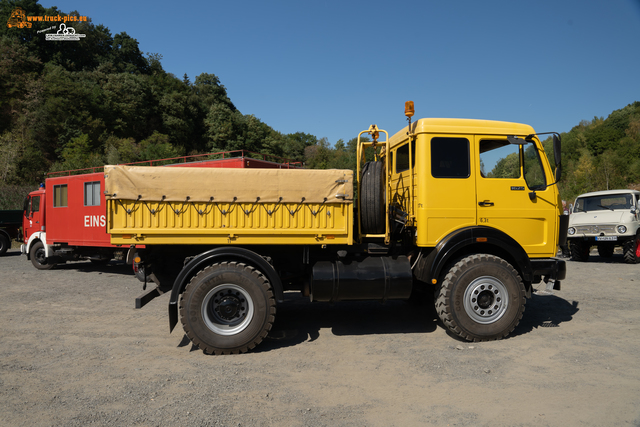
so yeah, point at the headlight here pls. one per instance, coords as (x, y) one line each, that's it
(622, 229)
(571, 231)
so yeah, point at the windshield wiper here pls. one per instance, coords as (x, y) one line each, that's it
(605, 207)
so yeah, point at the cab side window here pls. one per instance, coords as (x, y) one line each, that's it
(450, 158)
(33, 205)
(499, 159)
(402, 157)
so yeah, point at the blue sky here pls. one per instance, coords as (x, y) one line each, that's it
(332, 68)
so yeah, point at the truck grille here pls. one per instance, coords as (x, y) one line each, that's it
(595, 229)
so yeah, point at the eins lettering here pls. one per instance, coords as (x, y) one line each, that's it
(95, 221)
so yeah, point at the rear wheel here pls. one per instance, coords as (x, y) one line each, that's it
(481, 298)
(631, 250)
(372, 198)
(227, 308)
(38, 257)
(579, 250)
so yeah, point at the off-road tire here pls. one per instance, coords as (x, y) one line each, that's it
(37, 255)
(227, 308)
(579, 250)
(5, 244)
(481, 298)
(605, 250)
(372, 198)
(631, 250)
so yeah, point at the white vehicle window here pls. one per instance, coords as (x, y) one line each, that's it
(601, 203)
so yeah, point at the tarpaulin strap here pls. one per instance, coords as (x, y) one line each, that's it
(225, 211)
(293, 212)
(322, 205)
(207, 210)
(275, 208)
(155, 211)
(253, 207)
(181, 210)
(129, 211)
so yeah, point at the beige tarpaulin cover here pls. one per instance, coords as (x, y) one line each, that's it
(228, 185)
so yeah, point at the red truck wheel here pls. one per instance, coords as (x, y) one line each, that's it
(227, 308)
(38, 257)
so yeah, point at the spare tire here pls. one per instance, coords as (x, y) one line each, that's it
(372, 198)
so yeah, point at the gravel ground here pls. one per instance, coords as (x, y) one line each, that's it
(74, 352)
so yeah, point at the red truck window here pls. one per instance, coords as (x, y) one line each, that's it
(60, 196)
(92, 193)
(34, 206)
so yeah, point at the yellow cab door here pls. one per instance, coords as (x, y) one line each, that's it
(512, 195)
(446, 193)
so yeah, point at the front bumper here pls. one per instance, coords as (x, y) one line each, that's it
(551, 270)
(602, 238)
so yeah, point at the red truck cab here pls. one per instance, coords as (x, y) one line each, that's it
(66, 221)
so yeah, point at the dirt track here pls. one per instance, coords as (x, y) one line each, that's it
(74, 352)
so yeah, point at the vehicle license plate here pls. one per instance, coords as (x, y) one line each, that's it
(606, 238)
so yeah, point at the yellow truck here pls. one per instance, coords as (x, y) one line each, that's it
(465, 210)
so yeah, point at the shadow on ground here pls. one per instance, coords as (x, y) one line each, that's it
(545, 311)
(112, 267)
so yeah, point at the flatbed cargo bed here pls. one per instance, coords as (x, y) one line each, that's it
(231, 206)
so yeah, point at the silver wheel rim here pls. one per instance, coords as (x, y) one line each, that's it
(40, 256)
(486, 300)
(227, 309)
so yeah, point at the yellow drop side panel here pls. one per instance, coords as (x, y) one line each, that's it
(135, 222)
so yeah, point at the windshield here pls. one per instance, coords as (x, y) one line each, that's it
(608, 202)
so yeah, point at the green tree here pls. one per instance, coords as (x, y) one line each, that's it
(126, 55)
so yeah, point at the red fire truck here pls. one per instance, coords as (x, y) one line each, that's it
(64, 220)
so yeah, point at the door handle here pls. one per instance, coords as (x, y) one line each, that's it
(485, 203)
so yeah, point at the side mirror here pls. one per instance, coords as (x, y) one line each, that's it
(25, 206)
(557, 155)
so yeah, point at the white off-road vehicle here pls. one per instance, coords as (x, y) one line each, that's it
(605, 219)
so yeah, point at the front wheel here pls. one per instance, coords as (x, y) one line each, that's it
(579, 250)
(481, 298)
(605, 250)
(631, 251)
(227, 308)
(38, 257)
